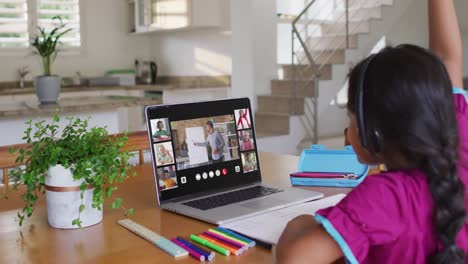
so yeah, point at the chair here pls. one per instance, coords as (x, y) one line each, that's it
(8, 160)
(137, 142)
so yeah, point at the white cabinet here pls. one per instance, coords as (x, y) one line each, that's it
(163, 15)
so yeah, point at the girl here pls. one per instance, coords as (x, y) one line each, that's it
(403, 114)
(164, 157)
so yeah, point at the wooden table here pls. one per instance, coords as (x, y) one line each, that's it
(107, 242)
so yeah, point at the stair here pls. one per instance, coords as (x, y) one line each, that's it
(288, 71)
(284, 88)
(364, 3)
(328, 28)
(332, 42)
(328, 56)
(271, 124)
(279, 104)
(357, 15)
(327, 45)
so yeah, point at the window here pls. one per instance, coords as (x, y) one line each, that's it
(13, 23)
(16, 32)
(68, 10)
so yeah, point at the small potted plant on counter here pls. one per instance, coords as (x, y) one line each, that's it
(46, 45)
(77, 170)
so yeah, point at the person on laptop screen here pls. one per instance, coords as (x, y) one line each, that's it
(215, 141)
(250, 164)
(168, 181)
(246, 143)
(161, 133)
(164, 157)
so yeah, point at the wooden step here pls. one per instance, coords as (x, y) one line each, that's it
(329, 56)
(285, 88)
(306, 72)
(279, 104)
(322, 57)
(332, 42)
(271, 123)
(363, 3)
(339, 28)
(357, 15)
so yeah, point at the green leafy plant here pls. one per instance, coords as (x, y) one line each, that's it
(46, 44)
(94, 156)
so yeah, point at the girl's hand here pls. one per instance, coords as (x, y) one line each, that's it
(296, 227)
(305, 241)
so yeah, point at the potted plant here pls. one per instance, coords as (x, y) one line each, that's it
(46, 45)
(77, 170)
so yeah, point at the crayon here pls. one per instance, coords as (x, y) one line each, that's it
(209, 255)
(192, 252)
(229, 232)
(210, 245)
(226, 240)
(233, 250)
(229, 237)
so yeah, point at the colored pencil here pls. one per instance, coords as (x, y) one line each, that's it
(225, 240)
(209, 255)
(205, 243)
(234, 250)
(229, 237)
(229, 232)
(192, 252)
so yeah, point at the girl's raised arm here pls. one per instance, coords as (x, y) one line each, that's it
(445, 39)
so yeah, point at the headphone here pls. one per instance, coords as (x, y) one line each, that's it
(370, 137)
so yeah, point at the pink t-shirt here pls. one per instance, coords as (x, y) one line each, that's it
(388, 217)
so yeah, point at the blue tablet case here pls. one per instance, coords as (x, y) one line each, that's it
(320, 159)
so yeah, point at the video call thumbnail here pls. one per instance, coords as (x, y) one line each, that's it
(246, 140)
(163, 153)
(167, 178)
(204, 141)
(160, 129)
(249, 161)
(242, 118)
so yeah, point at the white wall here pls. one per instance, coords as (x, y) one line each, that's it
(413, 27)
(244, 47)
(106, 44)
(195, 52)
(265, 45)
(192, 53)
(254, 64)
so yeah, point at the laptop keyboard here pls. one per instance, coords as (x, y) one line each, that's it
(231, 197)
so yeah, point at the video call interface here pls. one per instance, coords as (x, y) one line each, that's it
(202, 152)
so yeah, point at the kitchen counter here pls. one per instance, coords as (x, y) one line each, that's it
(165, 83)
(67, 89)
(116, 113)
(31, 108)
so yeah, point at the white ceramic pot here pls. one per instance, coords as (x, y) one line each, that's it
(47, 88)
(63, 200)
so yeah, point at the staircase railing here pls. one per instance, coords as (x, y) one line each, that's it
(307, 64)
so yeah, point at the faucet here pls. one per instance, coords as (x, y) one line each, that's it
(22, 73)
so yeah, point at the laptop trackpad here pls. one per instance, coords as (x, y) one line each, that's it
(262, 204)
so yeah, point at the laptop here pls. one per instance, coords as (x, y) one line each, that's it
(206, 163)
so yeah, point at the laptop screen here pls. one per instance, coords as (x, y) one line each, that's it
(203, 146)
